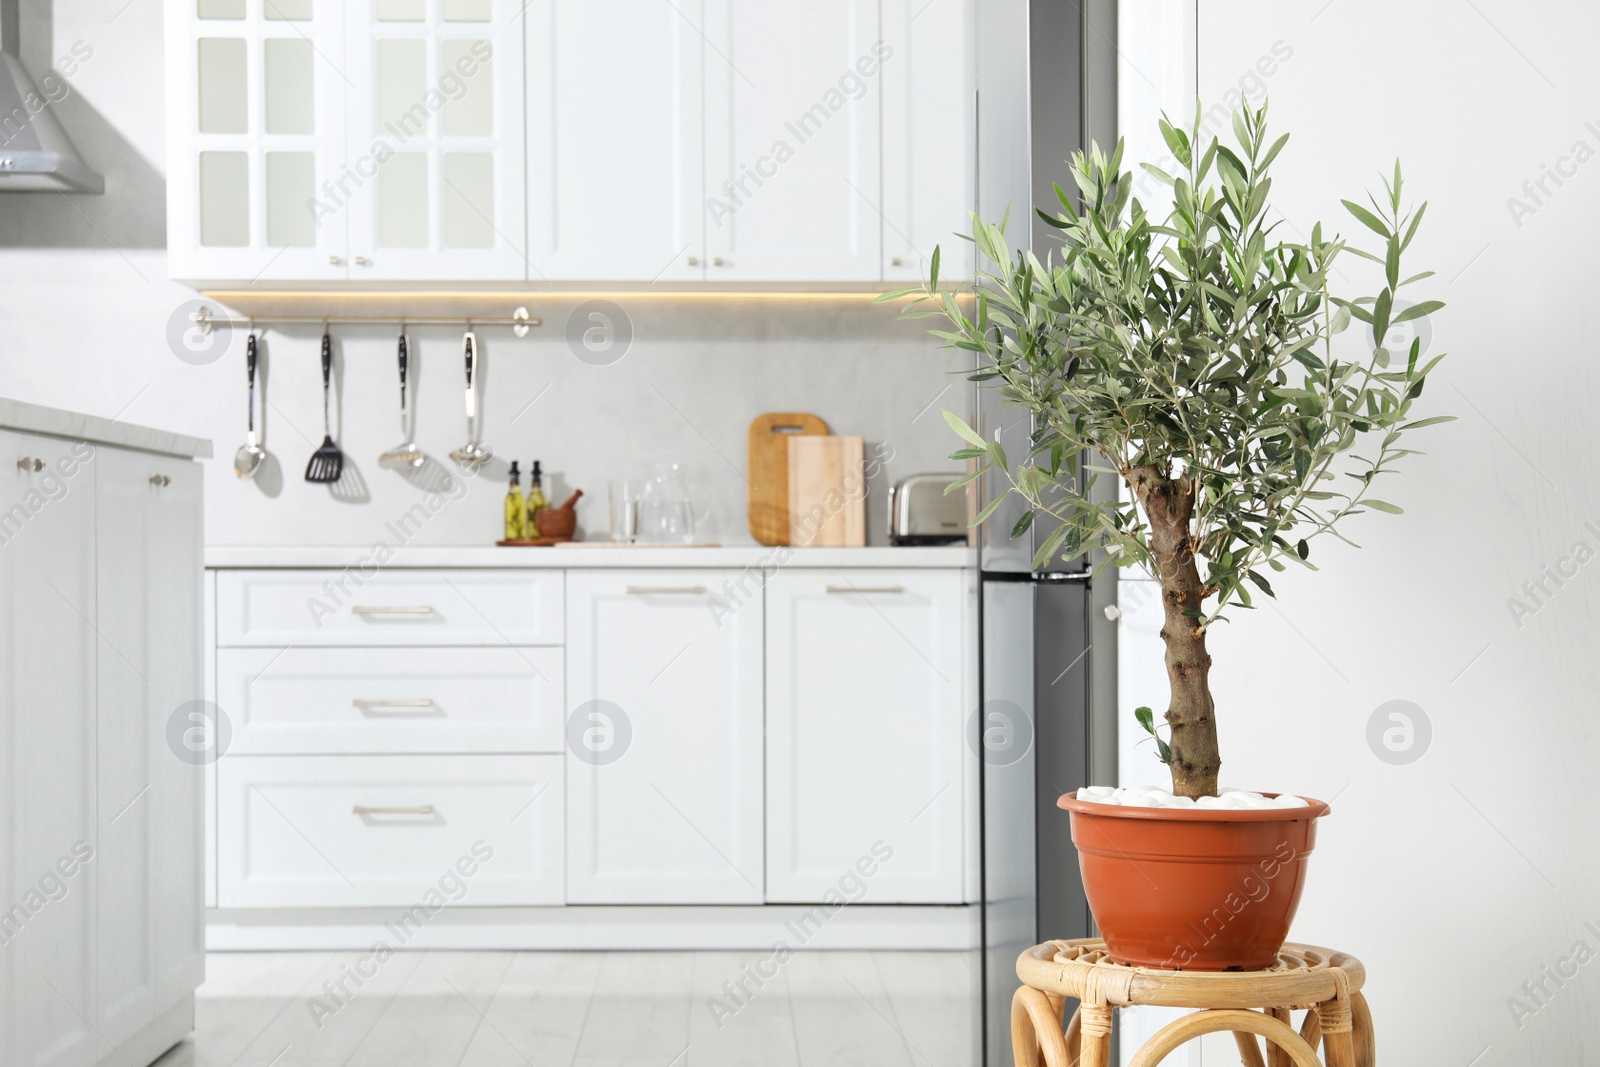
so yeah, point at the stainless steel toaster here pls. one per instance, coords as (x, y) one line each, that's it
(920, 513)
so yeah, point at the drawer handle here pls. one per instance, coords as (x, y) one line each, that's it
(362, 609)
(398, 706)
(866, 589)
(419, 809)
(666, 590)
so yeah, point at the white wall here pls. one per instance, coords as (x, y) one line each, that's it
(85, 304)
(1460, 876)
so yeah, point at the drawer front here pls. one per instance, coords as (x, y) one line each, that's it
(390, 831)
(282, 608)
(380, 701)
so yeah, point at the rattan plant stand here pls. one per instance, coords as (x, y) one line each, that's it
(1249, 1004)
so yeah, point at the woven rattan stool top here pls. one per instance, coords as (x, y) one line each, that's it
(1081, 969)
(1324, 983)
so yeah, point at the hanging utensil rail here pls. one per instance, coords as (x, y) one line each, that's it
(519, 320)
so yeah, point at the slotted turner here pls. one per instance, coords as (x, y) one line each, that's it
(327, 462)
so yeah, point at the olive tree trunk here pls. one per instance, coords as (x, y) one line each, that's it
(1168, 507)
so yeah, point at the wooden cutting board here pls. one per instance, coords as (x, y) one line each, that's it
(768, 467)
(827, 491)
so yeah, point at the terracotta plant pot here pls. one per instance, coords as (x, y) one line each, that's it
(1193, 890)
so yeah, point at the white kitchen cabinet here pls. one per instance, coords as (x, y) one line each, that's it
(47, 727)
(664, 762)
(386, 831)
(459, 141)
(256, 181)
(435, 134)
(375, 701)
(929, 160)
(793, 120)
(380, 140)
(866, 676)
(367, 605)
(616, 183)
(100, 869)
(148, 866)
(209, 658)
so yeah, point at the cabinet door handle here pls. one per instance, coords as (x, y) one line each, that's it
(419, 809)
(718, 261)
(160, 479)
(363, 261)
(896, 261)
(394, 706)
(363, 609)
(335, 261)
(866, 589)
(28, 463)
(694, 261)
(666, 590)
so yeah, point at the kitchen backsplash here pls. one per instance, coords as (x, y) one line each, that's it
(695, 372)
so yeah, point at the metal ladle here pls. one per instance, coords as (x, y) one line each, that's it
(247, 461)
(471, 454)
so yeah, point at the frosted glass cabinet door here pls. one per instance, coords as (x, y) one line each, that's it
(436, 140)
(256, 188)
(615, 171)
(929, 141)
(793, 93)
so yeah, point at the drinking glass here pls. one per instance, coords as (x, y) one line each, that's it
(625, 496)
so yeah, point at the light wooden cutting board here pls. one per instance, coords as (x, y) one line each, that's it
(768, 469)
(827, 491)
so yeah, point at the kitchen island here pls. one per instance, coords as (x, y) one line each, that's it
(102, 731)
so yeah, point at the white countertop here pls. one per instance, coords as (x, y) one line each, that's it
(53, 422)
(589, 554)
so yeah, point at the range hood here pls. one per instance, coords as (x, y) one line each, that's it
(36, 155)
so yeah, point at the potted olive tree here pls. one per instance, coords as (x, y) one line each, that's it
(1206, 361)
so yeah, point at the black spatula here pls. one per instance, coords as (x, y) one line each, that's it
(327, 462)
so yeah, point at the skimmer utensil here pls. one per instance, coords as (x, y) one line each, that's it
(471, 454)
(406, 456)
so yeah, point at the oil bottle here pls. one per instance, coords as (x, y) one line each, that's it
(536, 499)
(517, 508)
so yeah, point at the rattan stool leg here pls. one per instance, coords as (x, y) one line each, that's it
(1337, 1044)
(1361, 1031)
(1036, 1030)
(1094, 1028)
(1249, 1051)
(1276, 1055)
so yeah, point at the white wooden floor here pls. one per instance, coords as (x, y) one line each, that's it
(583, 1009)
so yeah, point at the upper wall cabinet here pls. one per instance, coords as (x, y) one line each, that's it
(255, 128)
(436, 140)
(929, 128)
(558, 141)
(312, 140)
(793, 124)
(615, 167)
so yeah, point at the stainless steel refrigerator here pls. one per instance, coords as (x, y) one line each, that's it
(1048, 683)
